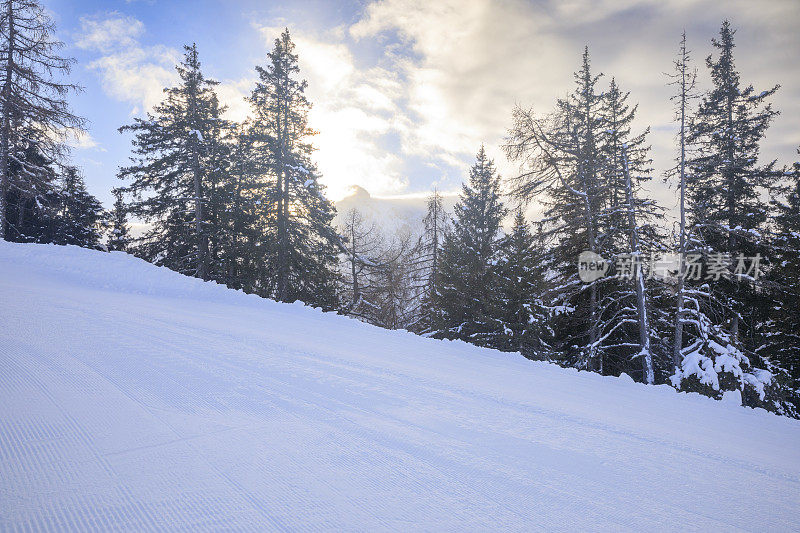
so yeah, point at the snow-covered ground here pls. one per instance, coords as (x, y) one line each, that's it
(133, 398)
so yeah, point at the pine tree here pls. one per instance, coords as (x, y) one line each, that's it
(303, 261)
(727, 216)
(393, 288)
(630, 238)
(615, 137)
(684, 77)
(180, 159)
(363, 260)
(32, 217)
(519, 305)
(782, 328)
(117, 222)
(561, 162)
(36, 119)
(426, 265)
(623, 155)
(243, 245)
(80, 214)
(468, 275)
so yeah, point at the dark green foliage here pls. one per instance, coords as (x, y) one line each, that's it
(116, 222)
(303, 247)
(242, 251)
(521, 288)
(176, 178)
(562, 164)
(35, 118)
(468, 280)
(61, 211)
(727, 219)
(79, 214)
(32, 201)
(781, 342)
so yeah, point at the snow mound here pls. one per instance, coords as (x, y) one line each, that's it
(133, 398)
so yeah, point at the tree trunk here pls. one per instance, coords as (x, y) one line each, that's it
(197, 176)
(200, 235)
(732, 218)
(283, 211)
(5, 131)
(435, 258)
(233, 270)
(590, 230)
(677, 359)
(353, 259)
(641, 297)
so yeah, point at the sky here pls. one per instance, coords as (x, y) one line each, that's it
(405, 91)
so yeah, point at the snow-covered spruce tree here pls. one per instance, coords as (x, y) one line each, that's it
(521, 285)
(560, 164)
(727, 217)
(782, 336)
(468, 280)
(302, 263)
(36, 119)
(116, 222)
(33, 218)
(615, 136)
(79, 214)
(630, 238)
(178, 151)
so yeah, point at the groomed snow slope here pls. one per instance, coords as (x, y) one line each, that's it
(133, 398)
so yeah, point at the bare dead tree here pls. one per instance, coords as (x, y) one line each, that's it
(35, 113)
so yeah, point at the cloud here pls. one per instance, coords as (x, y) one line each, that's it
(134, 73)
(129, 71)
(232, 93)
(353, 108)
(82, 140)
(404, 95)
(109, 32)
(460, 81)
(466, 63)
(355, 112)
